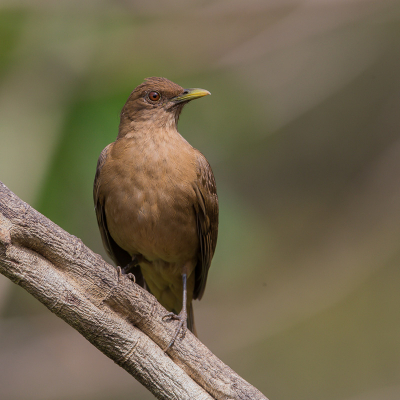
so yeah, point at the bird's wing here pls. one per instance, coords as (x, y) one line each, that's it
(206, 211)
(117, 254)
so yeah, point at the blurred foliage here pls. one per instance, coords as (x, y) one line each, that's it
(11, 23)
(302, 132)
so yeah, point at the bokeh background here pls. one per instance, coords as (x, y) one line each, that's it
(303, 133)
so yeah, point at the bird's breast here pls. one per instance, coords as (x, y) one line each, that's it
(150, 197)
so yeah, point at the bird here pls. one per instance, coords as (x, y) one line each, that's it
(156, 200)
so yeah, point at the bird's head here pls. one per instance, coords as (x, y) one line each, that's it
(156, 103)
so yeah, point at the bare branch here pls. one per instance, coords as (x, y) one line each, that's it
(117, 316)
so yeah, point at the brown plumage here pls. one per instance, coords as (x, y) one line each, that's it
(156, 201)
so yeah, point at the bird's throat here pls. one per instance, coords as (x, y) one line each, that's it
(155, 123)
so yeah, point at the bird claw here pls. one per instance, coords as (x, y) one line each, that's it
(119, 272)
(182, 326)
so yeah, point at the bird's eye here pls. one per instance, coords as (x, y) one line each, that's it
(154, 96)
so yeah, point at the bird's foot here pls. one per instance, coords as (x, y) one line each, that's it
(182, 326)
(128, 267)
(120, 272)
(125, 270)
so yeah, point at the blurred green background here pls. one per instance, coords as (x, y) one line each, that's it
(303, 133)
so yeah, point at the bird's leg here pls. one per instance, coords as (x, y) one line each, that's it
(182, 317)
(135, 261)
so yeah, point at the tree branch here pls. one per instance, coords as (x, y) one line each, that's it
(120, 318)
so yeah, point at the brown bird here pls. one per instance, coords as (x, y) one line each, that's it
(156, 201)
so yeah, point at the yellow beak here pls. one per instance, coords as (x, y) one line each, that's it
(191, 94)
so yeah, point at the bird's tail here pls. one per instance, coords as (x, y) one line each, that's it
(190, 320)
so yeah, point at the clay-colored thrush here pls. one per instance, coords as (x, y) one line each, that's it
(156, 201)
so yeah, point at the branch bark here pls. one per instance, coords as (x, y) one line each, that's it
(120, 318)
